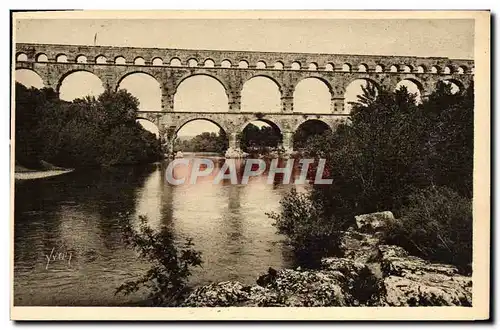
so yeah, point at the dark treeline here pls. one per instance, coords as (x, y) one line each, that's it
(414, 160)
(204, 142)
(306, 131)
(83, 133)
(258, 140)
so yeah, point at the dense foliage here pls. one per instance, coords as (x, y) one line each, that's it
(171, 264)
(306, 131)
(86, 132)
(437, 225)
(256, 139)
(310, 233)
(204, 142)
(391, 149)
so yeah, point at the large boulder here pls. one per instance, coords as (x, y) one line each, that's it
(396, 261)
(373, 222)
(412, 281)
(309, 288)
(404, 291)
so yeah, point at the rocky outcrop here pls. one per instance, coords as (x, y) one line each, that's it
(412, 281)
(369, 274)
(339, 282)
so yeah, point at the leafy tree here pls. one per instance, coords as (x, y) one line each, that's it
(451, 140)
(86, 132)
(306, 132)
(29, 111)
(222, 142)
(258, 140)
(311, 234)
(204, 142)
(377, 159)
(390, 149)
(437, 225)
(121, 146)
(117, 108)
(171, 266)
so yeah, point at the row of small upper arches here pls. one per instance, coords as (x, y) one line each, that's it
(209, 63)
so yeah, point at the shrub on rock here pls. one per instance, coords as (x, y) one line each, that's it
(311, 234)
(436, 225)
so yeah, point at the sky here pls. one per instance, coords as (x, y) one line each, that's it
(416, 37)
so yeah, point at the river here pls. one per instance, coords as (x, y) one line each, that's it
(78, 217)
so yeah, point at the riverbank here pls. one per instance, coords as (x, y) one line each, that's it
(369, 274)
(48, 170)
(39, 174)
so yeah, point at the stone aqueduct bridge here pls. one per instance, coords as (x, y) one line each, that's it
(232, 69)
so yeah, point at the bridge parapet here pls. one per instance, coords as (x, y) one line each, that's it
(306, 61)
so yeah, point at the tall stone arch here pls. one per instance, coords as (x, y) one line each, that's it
(177, 82)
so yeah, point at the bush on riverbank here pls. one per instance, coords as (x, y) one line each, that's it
(436, 225)
(391, 149)
(82, 133)
(309, 232)
(166, 280)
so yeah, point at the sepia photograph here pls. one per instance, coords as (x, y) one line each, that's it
(250, 165)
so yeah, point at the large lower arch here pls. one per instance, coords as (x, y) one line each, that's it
(199, 134)
(145, 88)
(312, 95)
(260, 136)
(261, 94)
(413, 87)
(356, 89)
(201, 93)
(269, 121)
(79, 84)
(306, 130)
(201, 118)
(28, 78)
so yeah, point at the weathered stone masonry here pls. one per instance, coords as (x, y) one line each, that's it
(232, 69)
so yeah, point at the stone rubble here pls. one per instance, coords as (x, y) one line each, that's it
(369, 274)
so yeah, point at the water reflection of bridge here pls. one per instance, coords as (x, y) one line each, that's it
(227, 222)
